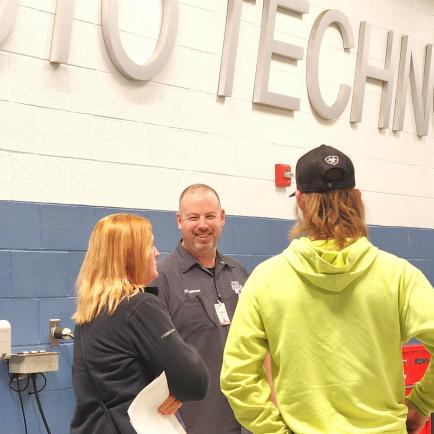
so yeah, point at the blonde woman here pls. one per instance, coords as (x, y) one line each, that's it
(124, 337)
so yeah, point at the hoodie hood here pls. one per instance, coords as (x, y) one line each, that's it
(325, 266)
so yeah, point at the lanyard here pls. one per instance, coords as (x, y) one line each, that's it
(212, 272)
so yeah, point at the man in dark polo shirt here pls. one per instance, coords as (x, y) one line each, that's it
(200, 287)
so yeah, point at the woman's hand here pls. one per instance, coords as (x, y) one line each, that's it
(170, 406)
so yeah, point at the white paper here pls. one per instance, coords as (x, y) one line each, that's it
(143, 411)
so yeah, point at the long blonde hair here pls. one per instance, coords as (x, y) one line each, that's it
(335, 214)
(115, 266)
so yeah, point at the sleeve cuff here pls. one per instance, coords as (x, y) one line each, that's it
(418, 403)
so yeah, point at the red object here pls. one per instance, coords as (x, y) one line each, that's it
(282, 175)
(416, 360)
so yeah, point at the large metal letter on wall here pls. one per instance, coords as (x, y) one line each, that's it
(324, 20)
(8, 12)
(269, 46)
(61, 40)
(117, 53)
(364, 71)
(230, 45)
(422, 99)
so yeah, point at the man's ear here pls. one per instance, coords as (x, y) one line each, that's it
(178, 220)
(300, 199)
(222, 216)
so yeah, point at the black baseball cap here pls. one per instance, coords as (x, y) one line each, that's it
(322, 169)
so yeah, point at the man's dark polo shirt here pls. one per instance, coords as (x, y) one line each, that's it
(190, 293)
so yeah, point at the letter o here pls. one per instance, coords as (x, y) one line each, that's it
(8, 12)
(116, 51)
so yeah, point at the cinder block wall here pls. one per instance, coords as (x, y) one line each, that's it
(42, 246)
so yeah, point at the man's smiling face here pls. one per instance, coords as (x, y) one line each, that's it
(200, 220)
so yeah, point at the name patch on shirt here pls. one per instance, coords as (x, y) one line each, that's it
(191, 291)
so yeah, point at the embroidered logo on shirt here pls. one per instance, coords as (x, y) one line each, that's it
(169, 332)
(191, 291)
(236, 287)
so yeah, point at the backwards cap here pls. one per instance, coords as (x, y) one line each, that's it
(322, 169)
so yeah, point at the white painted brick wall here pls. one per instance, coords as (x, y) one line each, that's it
(81, 133)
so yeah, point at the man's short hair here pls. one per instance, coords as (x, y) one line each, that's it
(195, 187)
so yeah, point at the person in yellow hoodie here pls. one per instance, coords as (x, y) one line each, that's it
(333, 311)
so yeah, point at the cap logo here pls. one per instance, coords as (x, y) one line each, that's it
(332, 159)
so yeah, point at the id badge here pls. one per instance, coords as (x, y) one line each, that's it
(222, 315)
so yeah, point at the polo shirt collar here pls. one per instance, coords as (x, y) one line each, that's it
(187, 260)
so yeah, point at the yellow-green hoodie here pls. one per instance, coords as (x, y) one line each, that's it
(333, 322)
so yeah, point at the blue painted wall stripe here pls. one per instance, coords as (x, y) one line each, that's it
(41, 250)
